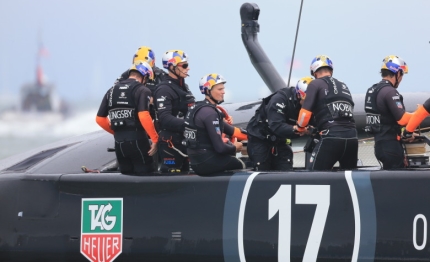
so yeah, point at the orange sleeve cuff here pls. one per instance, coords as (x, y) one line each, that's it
(405, 119)
(304, 117)
(103, 122)
(416, 119)
(146, 121)
(239, 135)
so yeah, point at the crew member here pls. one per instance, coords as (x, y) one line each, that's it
(145, 53)
(329, 102)
(204, 126)
(418, 116)
(271, 126)
(385, 113)
(124, 112)
(172, 99)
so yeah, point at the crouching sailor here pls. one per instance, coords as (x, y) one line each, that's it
(204, 126)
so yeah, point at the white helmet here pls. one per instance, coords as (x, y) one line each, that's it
(208, 81)
(174, 57)
(394, 64)
(302, 86)
(320, 61)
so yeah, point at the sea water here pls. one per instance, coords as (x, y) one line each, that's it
(18, 136)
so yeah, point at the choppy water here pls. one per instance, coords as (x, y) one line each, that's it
(19, 136)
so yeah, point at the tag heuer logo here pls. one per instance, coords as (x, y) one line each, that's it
(101, 228)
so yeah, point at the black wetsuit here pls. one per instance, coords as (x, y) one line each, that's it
(382, 123)
(269, 129)
(151, 84)
(172, 99)
(331, 105)
(122, 103)
(207, 152)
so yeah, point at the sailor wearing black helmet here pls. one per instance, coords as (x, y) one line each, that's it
(330, 103)
(204, 126)
(172, 99)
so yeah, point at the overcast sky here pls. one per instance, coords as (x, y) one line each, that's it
(91, 42)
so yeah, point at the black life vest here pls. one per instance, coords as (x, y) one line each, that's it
(123, 111)
(258, 125)
(197, 137)
(377, 123)
(337, 104)
(186, 98)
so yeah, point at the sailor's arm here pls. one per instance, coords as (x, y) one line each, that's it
(394, 104)
(146, 121)
(276, 115)
(103, 122)
(304, 118)
(209, 118)
(235, 132)
(418, 116)
(305, 113)
(101, 117)
(143, 96)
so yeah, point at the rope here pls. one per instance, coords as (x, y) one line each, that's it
(170, 145)
(295, 41)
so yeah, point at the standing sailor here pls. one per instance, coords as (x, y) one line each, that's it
(172, 99)
(385, 113)
(127, 105)
(145, 53)
(329, 101)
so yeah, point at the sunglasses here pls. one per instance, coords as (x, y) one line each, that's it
(184, 66)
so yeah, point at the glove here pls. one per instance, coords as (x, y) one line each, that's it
(299, 129)
(407, 135)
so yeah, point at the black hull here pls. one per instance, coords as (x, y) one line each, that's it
(376, 217)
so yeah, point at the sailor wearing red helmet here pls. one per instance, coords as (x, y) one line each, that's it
(124, 112)
(386, 114)
(329, 102)
(172, 98)
(204, 126)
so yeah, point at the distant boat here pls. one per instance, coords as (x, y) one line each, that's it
(38, 100)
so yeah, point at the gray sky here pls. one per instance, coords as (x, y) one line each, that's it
(92, 42)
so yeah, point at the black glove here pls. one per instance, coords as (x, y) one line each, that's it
(407, 135)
